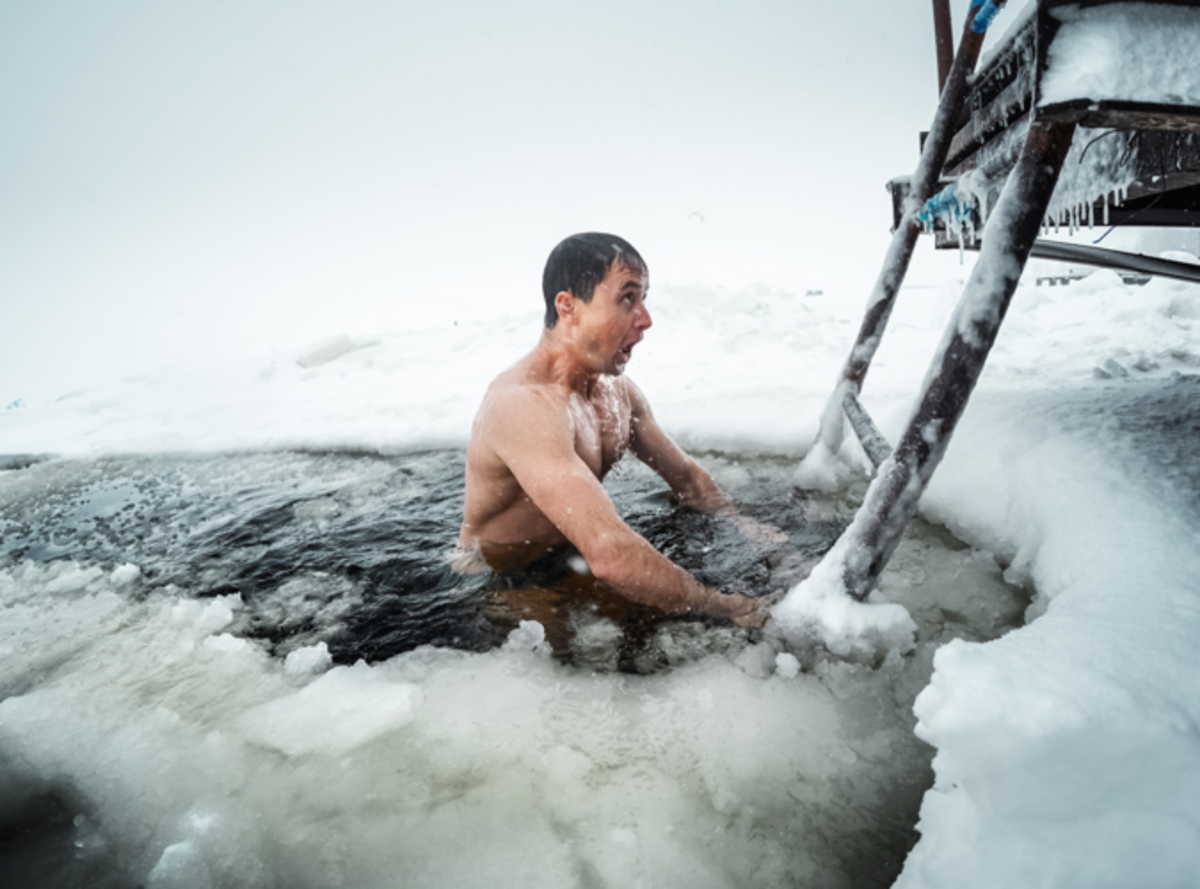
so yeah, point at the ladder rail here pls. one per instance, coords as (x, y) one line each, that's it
(900, 250)
(892, 498)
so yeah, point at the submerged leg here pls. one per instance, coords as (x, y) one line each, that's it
(891, 500)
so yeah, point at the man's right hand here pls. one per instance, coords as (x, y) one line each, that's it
(744, 610)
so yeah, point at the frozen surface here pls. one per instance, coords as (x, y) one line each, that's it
(1082, 724)
(1100, 166)
(819, 609)
(1132, 51)
(192, 758)
(1066, 750)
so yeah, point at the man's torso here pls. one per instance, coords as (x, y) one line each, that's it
(499, 517)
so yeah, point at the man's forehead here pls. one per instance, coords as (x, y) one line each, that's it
(623, 275)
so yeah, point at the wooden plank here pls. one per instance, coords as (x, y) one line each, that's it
(1123, 115)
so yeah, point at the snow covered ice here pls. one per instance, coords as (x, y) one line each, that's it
(203, 679)
(1139, 52)
(200, 760)
(193, 757)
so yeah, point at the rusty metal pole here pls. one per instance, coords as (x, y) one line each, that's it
(943, 41)
(891, 500)
(904, 240)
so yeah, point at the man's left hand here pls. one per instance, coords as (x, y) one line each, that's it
(758, 532)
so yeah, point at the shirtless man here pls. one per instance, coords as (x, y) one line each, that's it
(552, 426)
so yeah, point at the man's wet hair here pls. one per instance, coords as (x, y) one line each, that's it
(580, 262)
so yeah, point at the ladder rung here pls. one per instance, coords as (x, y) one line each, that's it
(864, 427)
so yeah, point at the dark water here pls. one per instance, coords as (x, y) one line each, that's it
(351, 548)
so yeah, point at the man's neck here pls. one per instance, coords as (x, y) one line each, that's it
(558, 362)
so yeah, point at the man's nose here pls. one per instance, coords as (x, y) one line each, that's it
(644, 321)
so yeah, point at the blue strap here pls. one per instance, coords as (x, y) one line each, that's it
(946, 203)
(983, 18)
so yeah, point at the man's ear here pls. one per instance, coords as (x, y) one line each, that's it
(564, 303)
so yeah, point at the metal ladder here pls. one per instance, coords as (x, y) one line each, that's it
(902, 472)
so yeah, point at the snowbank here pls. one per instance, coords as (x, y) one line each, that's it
(1082, 724)
(1066, 751)
(206, 762)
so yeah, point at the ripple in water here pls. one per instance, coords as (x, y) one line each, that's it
(614, 778)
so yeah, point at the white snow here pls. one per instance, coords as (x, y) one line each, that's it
(439, 767)
(309, 659)
(330, 349)
(344, 708)
(124, 575)
(1082, 724)
(787, 665)
(1131, 51)
(819, 609)
(1067, 752)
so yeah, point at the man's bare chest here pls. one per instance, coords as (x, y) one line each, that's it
(602, 427)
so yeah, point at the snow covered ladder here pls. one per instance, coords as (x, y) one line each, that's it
(1010, 119)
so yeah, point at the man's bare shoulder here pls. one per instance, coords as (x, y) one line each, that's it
(633, 395)
(513, 402)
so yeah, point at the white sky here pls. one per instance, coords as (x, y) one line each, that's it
(179, 176)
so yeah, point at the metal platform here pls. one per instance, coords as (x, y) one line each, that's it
(999, 166)
(1160, 142)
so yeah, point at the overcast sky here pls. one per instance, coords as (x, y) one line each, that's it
(222, 174)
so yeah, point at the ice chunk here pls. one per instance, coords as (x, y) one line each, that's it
(72, 579)
(226, 643)
(124, 575)
(310, 659)
(205, 617)
(343, 709)
(821, 469)
(756, 660)
(330, 349)
(818, 609)
(181, 866)
(528, 636)
(787, 665)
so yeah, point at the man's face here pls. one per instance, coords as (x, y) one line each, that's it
(615, 319)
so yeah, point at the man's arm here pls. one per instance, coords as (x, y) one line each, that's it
(655, 448)
(530, 432)
(687, 478)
